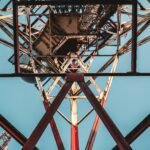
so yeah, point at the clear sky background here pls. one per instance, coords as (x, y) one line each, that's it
(128, 104)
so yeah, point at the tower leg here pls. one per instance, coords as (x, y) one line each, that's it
(74, 126)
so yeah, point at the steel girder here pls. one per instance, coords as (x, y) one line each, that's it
(136, 132)
(79, 78)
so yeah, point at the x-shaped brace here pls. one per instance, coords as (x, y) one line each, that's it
(79, 78)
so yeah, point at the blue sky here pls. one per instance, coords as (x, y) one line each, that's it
(128, 104)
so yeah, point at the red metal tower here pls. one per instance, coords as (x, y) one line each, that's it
(61, 42)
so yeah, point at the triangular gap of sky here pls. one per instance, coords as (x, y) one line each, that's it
(128, 104)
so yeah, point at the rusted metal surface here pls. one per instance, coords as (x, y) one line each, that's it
(58, 36)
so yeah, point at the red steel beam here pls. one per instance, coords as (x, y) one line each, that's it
(93, 133)
(97, 120)
(113, 130)
(94, 130)
(33, 139)
(21, 138)
(74, 137)
(137, 131)
(7, 126)
(16, 35)
(17, 135)
(128, 74)
(74, 126)
(134, 37)
(54, 128)
(73, 2)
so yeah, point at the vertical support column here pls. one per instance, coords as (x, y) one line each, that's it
(16, 40)
(74, 126)
(134, 37)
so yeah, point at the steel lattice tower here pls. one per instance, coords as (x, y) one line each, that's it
(58, 44)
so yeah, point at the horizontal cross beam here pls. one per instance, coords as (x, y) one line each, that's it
(73, 2)
(128, 74)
